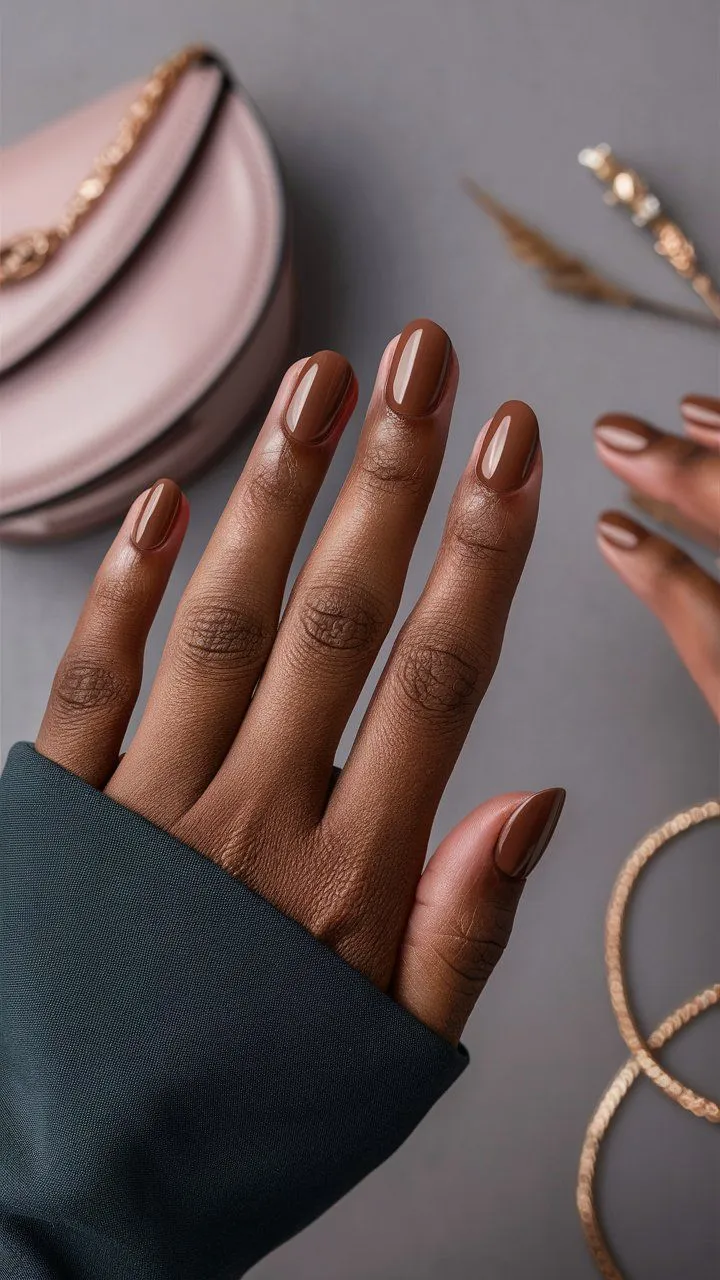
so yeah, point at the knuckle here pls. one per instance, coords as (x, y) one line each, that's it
(472, 943)
(387, 467)
(339, 618)
(219, 637)
(85, 684)
(670, 568)
(127, 594)
(437, 682)
(274, 484)
(486, 538)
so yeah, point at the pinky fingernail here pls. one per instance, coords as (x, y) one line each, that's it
(620, 530)
(157, 516)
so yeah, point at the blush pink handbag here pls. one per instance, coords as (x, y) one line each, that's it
(141, 329)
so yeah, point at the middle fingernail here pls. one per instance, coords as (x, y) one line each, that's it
(419, 369)
(622, 432)
(317, 401)
(508, 448)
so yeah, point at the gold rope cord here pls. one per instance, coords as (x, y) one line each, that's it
(643, 1058)
(25, 254)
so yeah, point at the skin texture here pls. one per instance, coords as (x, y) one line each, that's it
(235, 751)
(677, 481)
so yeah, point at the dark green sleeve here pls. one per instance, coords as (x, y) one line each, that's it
(187, 1076)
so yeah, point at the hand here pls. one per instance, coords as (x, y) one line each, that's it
(677, 480)
(234, 753)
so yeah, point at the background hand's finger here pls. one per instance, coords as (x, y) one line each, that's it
(679, 592)
(225, 624)
(701, 418)
(98, 680)
(667, 469)
(465, 906)
(665, 513)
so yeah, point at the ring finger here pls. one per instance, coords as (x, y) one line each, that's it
(225, 624)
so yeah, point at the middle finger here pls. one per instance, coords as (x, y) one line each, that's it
(346, 596)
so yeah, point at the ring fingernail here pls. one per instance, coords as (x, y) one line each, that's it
(317, 400)
(157, 516)
(620, 530)
(419, 369)
(527, 833)
(627, 435)
(508, 449)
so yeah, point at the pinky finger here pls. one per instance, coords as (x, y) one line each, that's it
(679, 592)
(465, 906)
(98, 679)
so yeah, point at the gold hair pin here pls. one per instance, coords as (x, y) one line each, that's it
(625, 187)
(565, 272)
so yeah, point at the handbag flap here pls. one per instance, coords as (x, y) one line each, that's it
(42, 172)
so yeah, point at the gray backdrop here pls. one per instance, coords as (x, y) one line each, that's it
(378, 108)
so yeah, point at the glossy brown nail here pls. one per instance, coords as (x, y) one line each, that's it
(701, 411)
(620, 530)
(419, 369)
(508, 449)
(316, 403)
(157, 516)
(624, 433)
(527, 833)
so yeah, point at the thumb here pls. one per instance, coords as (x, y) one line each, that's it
(465, 906)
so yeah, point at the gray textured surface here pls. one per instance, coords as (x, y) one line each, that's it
(377, 109)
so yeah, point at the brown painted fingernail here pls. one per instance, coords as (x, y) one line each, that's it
(508, 449)
(419, 369)
(626, 434)
(620, 530)
(701, 411)
(157, 516)
(527, 833)
(316, 404)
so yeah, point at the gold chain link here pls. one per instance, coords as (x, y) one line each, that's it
(26, 253)
(643, 1058)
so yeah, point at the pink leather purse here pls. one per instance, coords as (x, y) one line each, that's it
(140, 331)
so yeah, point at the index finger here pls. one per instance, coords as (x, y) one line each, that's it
(446, 653)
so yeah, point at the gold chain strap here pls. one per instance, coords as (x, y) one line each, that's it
(25, 254)
(643, 1059)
